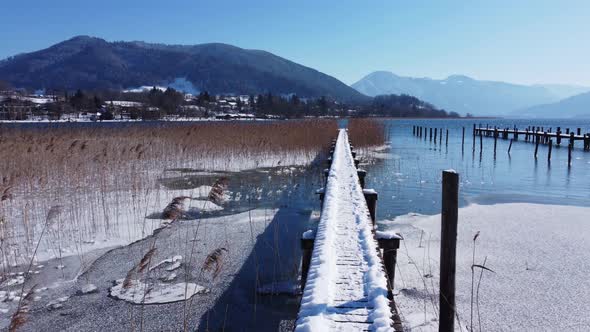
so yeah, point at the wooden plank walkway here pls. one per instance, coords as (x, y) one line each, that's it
(346, 287)
(534, 134)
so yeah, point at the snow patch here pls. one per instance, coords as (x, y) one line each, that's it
(158, 293)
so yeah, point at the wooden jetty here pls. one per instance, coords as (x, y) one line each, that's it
(536, 135)
(347, 266)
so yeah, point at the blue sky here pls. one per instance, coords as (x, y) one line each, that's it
(516, 41)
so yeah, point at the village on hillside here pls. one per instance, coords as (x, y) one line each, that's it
(155, 103)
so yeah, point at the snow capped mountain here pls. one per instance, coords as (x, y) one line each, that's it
(464, 94)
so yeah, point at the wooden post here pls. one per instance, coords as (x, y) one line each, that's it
(440, 136)
(447, 139)
(371, 198)
(480, 142)
(495, 140)
(473, 145)
(545, 138)
(435, 135)
(572, 139)
(579, 131)
(362, 174)
(321, 193)
(510, 146)
(448, 248)
(495, 143)
(389, 246)
(431, 134)
(549, 151)
(537, 145)
(558, 140)
(569, 155)
(306, 253)
(463, 139)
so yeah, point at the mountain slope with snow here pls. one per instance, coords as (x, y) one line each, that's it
(93, 63)
(573, 107)
(463, 94)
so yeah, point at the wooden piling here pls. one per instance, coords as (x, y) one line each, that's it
(536, 145)
(495, 141)
(435, 135)
(306, 253)
(371, 198)
(569, 154)
(449, 217)
(545, 138)
(510, 146)
(389, 246)
(362, 174)
(463, 139)
(447, 138)
(480, 142)
(549, 150)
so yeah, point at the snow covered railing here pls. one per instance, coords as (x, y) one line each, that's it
(345, 285)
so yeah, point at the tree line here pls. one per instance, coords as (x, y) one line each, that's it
(156, 103)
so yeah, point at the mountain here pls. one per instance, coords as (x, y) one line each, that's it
(563, 91)
(577, 106)
(93, 63)
(463, 94)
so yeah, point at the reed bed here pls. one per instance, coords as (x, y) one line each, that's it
(366, 132)
(104, 178)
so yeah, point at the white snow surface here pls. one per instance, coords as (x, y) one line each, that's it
(140, 292)
(345, 269)
(539, 255)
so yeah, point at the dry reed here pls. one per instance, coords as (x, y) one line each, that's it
(366, 132)
(104, 176)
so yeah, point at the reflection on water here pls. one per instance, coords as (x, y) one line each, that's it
(409, 179)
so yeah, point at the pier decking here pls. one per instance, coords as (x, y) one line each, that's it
(347, 288)
(534, 134)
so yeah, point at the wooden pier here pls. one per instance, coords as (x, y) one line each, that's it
(347, 266)
(532, 134)
(536, 135)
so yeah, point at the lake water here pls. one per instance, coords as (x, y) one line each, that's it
(408, 174)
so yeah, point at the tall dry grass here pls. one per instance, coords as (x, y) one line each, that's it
(366, 132)
(104, 176)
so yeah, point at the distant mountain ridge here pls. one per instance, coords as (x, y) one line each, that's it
(464, 94)
(93, 63)
(577, 106)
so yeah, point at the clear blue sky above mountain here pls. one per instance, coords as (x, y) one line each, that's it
(526, 41)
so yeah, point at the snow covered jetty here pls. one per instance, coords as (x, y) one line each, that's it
(346, 278)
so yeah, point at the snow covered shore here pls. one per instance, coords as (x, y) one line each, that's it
(539, 255)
